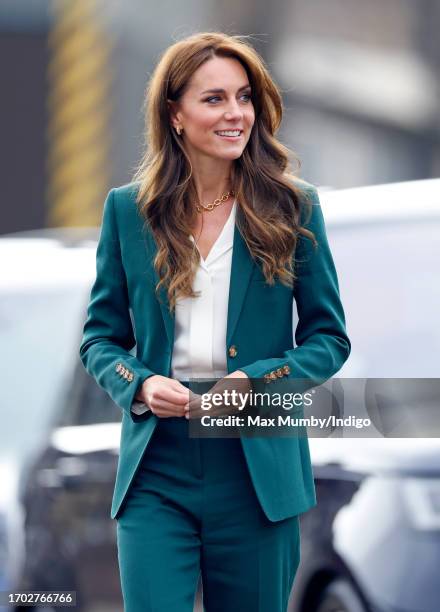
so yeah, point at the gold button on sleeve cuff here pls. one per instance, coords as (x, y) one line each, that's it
(232, 351)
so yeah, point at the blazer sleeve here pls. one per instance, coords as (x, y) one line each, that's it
(322, 342)
(108, 332)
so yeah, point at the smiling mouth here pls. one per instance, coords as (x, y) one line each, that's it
(232, 134)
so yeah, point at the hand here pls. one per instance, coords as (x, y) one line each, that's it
(166, 397)
(236, 381)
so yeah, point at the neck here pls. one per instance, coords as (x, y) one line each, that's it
(212, 180)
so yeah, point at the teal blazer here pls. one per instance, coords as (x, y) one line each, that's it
(124, 313)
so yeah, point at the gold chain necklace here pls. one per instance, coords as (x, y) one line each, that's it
(217, 202)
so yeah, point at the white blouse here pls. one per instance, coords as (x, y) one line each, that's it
(200, 323)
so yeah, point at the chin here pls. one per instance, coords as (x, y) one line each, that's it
(230, 155)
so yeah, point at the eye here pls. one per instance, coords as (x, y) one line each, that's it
(248, 96)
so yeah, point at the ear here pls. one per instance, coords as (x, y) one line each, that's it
(173, 108)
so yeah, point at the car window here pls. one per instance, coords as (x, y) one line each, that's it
(39, 339)
(389, 282)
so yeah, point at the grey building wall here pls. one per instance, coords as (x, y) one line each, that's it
(360, 85)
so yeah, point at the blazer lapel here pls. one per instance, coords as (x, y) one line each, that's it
(168, 317)
(241, 270)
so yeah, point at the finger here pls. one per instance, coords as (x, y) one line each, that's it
(193, 399)
(167, 407)
(168, 415)
(165, 414)
(177, 385)
(173, 396)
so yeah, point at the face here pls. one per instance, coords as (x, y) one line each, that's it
(218, 98)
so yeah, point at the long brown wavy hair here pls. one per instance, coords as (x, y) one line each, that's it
(269, 202)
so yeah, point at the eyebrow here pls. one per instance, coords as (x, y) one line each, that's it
(222, 90)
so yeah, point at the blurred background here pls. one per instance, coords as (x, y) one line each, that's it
(360, 84)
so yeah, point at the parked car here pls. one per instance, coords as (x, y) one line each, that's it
(43, 289)
(372, 544)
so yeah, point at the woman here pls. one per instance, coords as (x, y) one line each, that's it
(205, 255)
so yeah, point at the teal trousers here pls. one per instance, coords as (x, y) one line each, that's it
(192, 510)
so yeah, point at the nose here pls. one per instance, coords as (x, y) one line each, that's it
(234, 111)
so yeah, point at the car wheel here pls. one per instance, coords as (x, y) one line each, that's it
(340, 596)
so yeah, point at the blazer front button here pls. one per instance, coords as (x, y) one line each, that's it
(232, 351)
